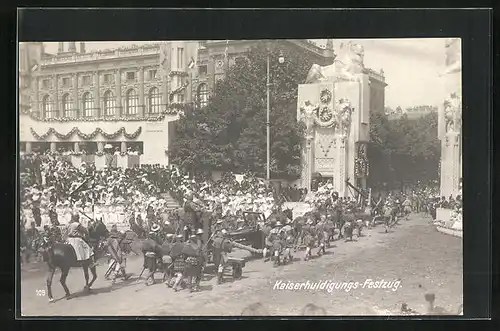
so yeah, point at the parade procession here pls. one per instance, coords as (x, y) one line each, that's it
(169, 220)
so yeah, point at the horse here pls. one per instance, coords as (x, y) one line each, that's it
(63, 256)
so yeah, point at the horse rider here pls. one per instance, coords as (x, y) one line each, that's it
(53, 214)
(118, 259)
(151, 249)
(190, 212)
(54, 233)
(76, 235)
(221, 247)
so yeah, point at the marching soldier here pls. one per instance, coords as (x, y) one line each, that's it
(118, 259)
(194, 264)
(221, 247)
(321, 235)
(151, 250)
(178, 261)
(309, 239)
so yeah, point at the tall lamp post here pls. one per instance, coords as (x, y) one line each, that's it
(281, 60)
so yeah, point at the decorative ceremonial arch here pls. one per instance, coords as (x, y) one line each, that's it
(333, 105)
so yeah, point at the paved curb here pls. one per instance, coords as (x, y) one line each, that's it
(453, 232)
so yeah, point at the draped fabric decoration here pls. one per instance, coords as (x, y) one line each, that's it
(361, 165)
(85, 136)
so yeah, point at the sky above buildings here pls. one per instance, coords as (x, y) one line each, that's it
(411, 66)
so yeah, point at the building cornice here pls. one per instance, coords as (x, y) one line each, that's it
(101, 55)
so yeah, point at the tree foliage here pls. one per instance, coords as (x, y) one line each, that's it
(230, 132)
(403, 150)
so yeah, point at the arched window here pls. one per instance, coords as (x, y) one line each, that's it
(88, 104)
(203, 95)
(132, 102)
(48, 107)
(109, 103)
(154, 101)
(68, 108)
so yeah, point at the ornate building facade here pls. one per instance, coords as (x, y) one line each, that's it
(129, 96)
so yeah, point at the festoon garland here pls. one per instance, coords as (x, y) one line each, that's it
(85, 136)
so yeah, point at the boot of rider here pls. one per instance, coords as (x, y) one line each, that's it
(149, 277)
(93, 262)
(220, 273)
(276, 257)
(264, 253)
(124, 274)
(178, 279)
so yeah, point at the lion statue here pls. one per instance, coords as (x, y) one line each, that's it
(347, 65)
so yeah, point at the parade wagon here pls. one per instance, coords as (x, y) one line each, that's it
(252, 236)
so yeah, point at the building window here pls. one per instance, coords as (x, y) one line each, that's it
(202, 70)
(46, 83)
(86, 80)
(202, 95)
(132, 102)
(180, 98)
(109, 104)
(130, 75)
(68, 108)
(88, 104)
(153, 74)
(48, 107)
(154, 101)
(180, 57)
(65, 82)
(108, 78)
(240, 60)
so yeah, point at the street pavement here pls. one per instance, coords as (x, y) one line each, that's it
(414, 253)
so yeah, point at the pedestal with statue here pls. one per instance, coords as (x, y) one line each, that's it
(450, 133)
(334, 105)
(450, 122)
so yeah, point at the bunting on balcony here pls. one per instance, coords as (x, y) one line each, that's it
(85, 136)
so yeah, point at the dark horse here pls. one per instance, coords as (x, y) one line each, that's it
(63, 256)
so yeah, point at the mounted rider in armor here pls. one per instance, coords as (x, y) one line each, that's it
(76, 235)
(190, 215)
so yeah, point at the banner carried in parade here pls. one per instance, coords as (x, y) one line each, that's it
(298, 208)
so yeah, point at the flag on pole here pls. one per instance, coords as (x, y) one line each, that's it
(192, 63)
(85, 186)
